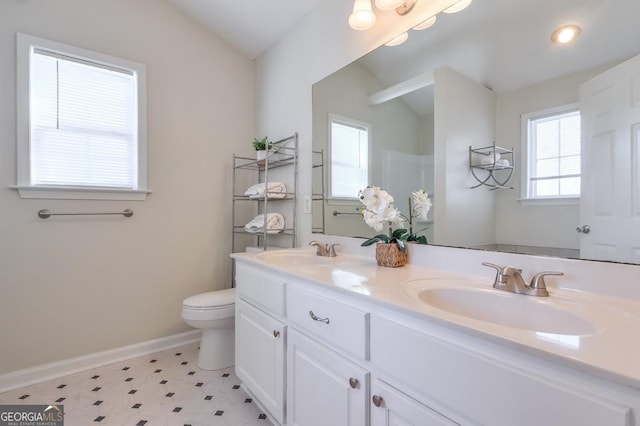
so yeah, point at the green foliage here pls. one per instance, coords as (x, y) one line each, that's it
(260, 144)
(399, 236)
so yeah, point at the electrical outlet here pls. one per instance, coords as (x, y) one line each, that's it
(307, 204)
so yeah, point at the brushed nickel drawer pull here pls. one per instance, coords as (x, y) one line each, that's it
(377, 400)
(276, 333)
(315, 318)
(353, 382)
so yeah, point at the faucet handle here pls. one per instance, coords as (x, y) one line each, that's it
(331, 252)
(538, 284)
(498, 271)
(492, 265)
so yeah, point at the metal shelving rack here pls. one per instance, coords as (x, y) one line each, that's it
(283, 153)
(490, 179)
(318, 168)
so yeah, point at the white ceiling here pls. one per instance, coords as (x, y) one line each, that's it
(505, 44)
(251, 26)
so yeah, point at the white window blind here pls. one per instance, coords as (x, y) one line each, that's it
(349, 158)
(554, 155)
(83, 123)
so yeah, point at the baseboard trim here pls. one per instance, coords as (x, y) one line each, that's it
(41, 373)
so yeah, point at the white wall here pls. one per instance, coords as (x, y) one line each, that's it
(464, 117)
(73, 286)
(529, 224)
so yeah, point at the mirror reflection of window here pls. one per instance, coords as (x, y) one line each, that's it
(553, 151)
(349, 156)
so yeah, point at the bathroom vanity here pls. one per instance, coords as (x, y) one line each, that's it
(341, 341)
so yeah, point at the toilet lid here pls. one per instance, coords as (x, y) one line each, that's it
(212, 299)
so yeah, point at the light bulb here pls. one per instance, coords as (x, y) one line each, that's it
(362, 17)
(388, 4)
(565, 34)
(457, 7)
(397, 40)
(426, 23)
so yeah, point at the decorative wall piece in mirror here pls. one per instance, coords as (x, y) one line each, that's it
(405, 117)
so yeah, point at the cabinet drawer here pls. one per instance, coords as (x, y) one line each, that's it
(341, 326)
(263, 289)
(478, 388)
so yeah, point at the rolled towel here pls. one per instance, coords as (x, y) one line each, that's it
(275, 224)
(276, 190)
(502, 162)
(478, 159)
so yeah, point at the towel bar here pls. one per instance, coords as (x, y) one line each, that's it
(45, 213)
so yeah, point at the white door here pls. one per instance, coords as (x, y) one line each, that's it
(260, 351)
(391, 407)
(323, 388)
(610, 194)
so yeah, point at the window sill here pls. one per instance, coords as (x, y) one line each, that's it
(80, 193)
(566, 201)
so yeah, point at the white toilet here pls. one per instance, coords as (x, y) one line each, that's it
(214, 313)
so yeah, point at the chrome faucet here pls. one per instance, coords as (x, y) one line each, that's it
(510, 279)
(327, 250)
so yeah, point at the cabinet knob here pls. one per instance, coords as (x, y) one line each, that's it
(377, 400)
(276, 333)
(583, 229)
(353, 382)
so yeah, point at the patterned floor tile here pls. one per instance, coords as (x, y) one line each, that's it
(164, 388)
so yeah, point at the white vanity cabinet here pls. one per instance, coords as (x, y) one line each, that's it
(261, 338)
(314, 355)
(485, 386)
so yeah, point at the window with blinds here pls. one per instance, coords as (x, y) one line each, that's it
(553, 146)
(349, 150)
(85, 128)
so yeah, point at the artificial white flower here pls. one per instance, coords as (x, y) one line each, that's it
(421, 204)
(378, 207)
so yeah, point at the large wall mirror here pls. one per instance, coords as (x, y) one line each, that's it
(491, 75)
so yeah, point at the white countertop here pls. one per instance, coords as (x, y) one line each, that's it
(607, 348)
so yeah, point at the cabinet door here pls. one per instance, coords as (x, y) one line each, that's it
(390, 407)
(323, 387)
(260, 351)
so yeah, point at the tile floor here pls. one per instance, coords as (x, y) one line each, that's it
(164, 388)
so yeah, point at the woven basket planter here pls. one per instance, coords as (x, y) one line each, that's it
(389, 255)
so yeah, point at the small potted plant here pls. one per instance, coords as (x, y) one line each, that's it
(391, 249)
(261, 145)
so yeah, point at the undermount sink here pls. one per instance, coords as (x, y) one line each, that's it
(506, 309)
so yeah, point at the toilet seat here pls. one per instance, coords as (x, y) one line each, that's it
(212, 300)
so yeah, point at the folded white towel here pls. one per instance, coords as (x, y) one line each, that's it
(503, 162)
(275, 224)
(276, 190)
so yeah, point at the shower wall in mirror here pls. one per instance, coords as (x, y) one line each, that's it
(480, 71)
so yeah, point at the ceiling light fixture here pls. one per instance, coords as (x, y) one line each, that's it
(565, 34)
(428, 23)
(457, 7)
(362, 17)
(397, 40)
